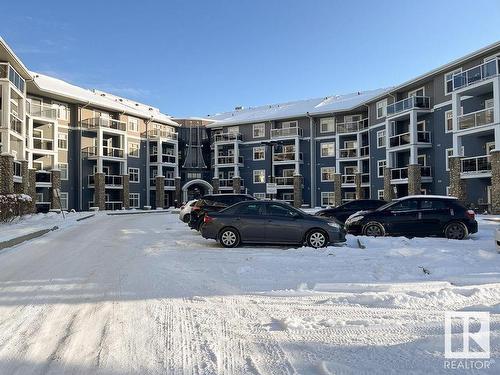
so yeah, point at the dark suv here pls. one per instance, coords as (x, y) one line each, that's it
(213, 203)
(342, 212)
(420, 215)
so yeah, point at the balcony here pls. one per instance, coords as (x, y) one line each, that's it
(475, 74)
(226, 183)
(286, 133)
(286, 157)
(169, 182)
(228, 160)
(402, 173)
(346, 153)
(104, 122)
(162, 133)
(113, 205)
(16, 124)
(475, 119)
(43, 178)
(43, 144)
(110, 181)
(352, 127)
(284, 182)
(227, 137)
(404, 139)
(348, 179)
(364, 151)
(413, 102)
(110, 152)
(42, 110)
(477, 165)
(163, 158)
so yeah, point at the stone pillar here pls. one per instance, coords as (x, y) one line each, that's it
(26, 178)
(125, 192)
(388, 192)
(457, 185)
(6, 174)
(99, 191)
(337, 184)
(160, 191)
(357, 185)
(237, 185)
(298, 182)
(56, 184)
(414, 179)
(32, 188)
(215, 185)
(495, 182)
(178, 192)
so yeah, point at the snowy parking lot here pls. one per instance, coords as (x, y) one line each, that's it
(143, 294)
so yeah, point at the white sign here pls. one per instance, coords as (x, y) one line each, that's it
(480, 338)
(271, 188)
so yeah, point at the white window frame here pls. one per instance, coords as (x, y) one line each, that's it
(329, 195)
(414, 92)
(380, 194)
(379, 137)
(255, 150)
(138, 150)
(322, 146)
(62, 108)
(133, 124)
(446, 79)
(39, 197)
(63, 196)
(446, 115)
(333, 173)
(381, 163)
(257, 172)
(289, 124)
(259, 196)
(64, 166)
(328, 121)
(447, 190)
(448, 156)
(64, 138)
(134, 196)
(134, 171)
(382, 104)
(261, 127)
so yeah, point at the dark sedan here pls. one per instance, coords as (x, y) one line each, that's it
(412, 216)
(342, 212)
(271, 222)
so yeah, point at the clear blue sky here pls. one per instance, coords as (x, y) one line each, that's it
(207, 56)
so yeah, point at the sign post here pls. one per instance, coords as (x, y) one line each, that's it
(271, 188)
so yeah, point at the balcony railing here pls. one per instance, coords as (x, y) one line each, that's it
(284, 181)
(402, 173)
(42, 110)
(475, 74)
(475, 119)
(348, 178)
(348, 153)
(405, 139)
(104, 122)
(17, 168)
(164, 158)
(364, 151)
(109, 180)
(169, 182)
(286, 132)
(226, 182)
(286, 156)
(423, 136)
(228, 160)
(43, 144)
(43, 177)
(113, 152)
(16, 124)
(227, 137)
(413, 102)
(476, 164)
(113, 205)
(161, 133)
(352, 127)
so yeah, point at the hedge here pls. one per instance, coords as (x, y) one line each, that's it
(14, 205)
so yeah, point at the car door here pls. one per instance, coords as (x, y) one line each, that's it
(283, 225)
(402, 217)
(250, 220)
(434, 213)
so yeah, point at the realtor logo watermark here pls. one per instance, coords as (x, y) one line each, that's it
(467, 346)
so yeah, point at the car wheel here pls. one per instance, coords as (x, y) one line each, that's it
(186, 218)
(374, 229)
(456, 231)
(316, 238)
(229, 237)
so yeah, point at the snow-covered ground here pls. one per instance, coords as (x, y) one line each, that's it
(144, 294)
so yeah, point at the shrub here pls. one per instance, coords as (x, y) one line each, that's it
(14, 205)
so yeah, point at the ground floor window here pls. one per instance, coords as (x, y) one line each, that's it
(134, 200)
(134, 174)
(288, 197)
(259, 195)
(64, 201)
(327, 174)
(380, 168)
(63, 167)
(259, 176)
(380, 194)
(327, 198)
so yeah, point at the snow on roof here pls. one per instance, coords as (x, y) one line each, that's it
(99, 98)
(316, 106)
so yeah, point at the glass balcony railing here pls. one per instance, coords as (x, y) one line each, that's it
(348, 153)
(104, 122)
(475, 119)
(286, 132)
(402, 173)
(113, 152)
(352, 127)
(43, 144)
(164, 158)
(286, 156)
(227, 137)
(364, 151)
(348, 178)
(283, 181)
(168, 182)
(162, 133)
(109, 180)
(475, 74)
(228, 160)
(476, 164)
(399, 140)
(413, 102)
(16, 124)
(42, 110)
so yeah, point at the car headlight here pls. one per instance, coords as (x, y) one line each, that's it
(355, 219)
(334, 224)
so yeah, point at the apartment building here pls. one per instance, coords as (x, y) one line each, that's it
(436, 134)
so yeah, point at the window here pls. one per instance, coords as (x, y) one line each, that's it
(255, 209)
(62, 141)
(449, 154)
(380, 194)
(327, 198)
(380, 168)
(39, 197)
(327, 149)
(381, 108)
(134, 175)
(259, 176)
(193, 175)
(62, 111)
(233, 129)
(448, 81)
(381, 141)
(259, 130)
(133, 149)
(327, 125)
(259, 153)
(64, 201)
(259, 196)
(406, 205)
(279, 210)
(134, 200)
(417, 92)
(133, 124)
(289, 124)
(327, 174)
(448, 118)
(432, 204)
(63, 167)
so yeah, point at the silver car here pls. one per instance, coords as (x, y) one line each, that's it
(270, 222)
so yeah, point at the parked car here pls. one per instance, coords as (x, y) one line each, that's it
(211, 203)
(272, 222)
(342, 212)
(419, 215)
(185, 212)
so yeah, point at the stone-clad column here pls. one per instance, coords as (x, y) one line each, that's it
(457, 185)
(237, 185)
(495, 182)
(215, 185)
(298, 182)
(99, 191)
(414, 179)
(178, 191)
(337, 189)
(56, 185)
(32, 188)
(357, 184)
(6, 174)
(388, 192)
(125, 192)
(160, 191)
(26, 178)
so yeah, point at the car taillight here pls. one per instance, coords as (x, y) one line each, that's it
(195, 208)
(207, 219)
(470, 214)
